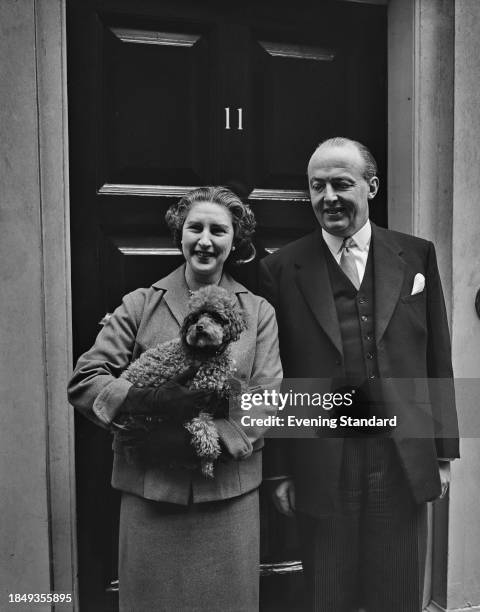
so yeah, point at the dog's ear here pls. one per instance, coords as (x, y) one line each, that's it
(187, 321)
(237, 323)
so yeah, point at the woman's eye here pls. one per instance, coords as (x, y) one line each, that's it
(218, 230)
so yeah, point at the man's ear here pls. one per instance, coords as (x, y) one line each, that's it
(373, 185)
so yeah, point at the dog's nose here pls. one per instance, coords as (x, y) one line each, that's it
(199, 327)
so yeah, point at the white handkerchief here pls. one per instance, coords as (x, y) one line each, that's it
(418, 284)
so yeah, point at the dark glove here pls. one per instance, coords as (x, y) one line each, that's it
(218, 407)
(171, 400)
(169, 445)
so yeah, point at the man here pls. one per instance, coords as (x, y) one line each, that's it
(359, 303)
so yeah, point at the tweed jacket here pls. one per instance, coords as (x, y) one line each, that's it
(151, 316)
(413, 353)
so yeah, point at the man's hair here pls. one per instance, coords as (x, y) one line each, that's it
(371, 168)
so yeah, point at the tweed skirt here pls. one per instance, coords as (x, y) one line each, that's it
(189, 558)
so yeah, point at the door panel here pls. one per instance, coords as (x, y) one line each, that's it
(152, 134)
(286, 72)
(149, 85)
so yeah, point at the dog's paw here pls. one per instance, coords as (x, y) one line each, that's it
(207, 468)
(205, 438)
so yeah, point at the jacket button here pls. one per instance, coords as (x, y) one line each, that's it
(364, 318)
(369, 355)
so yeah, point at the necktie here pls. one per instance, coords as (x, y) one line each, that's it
(347, 262)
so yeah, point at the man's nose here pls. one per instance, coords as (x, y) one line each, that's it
(330, 195)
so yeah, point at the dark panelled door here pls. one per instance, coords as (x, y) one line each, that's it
(165, 96)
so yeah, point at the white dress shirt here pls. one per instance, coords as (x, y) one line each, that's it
(359, 250)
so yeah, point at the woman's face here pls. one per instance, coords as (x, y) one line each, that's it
(207, 238)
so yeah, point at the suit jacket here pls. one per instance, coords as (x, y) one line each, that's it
(413, 349)
(151, 316)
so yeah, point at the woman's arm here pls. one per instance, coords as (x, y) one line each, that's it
(98, 392)
(95, 387)
(238, 439)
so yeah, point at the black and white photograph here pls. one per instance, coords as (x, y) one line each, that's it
(240, 322)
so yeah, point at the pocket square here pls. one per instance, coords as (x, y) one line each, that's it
(418, 284)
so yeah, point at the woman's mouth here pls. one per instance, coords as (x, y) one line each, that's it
(204, 255)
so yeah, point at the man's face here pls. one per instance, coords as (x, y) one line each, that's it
(338, 189)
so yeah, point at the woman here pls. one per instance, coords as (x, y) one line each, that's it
(186, 542)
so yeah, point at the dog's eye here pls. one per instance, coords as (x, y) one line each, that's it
(217, 317)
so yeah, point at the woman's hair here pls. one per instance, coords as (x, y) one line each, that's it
(243, 220)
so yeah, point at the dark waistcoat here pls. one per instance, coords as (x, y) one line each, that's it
(356, 317)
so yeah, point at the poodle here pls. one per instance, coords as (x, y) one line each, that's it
(213, 322)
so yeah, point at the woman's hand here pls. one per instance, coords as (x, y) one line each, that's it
(171, 400)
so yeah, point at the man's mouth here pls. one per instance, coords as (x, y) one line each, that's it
(336, 212)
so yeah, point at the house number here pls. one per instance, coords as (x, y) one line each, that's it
(240, 118)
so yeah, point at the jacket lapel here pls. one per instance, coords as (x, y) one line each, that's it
(231, 285)
(177, 293)
(314, 283)
(389, 270)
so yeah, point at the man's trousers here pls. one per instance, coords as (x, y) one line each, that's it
(371, 553)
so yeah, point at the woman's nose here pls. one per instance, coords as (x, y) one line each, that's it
(205, 239)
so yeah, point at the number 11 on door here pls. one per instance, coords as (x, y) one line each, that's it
(240, 118)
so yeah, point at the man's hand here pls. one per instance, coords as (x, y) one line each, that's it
(444, 469)
(284, 497)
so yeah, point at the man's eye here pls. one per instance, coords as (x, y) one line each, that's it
(317, 186)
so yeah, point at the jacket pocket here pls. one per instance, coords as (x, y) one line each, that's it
(409, 299)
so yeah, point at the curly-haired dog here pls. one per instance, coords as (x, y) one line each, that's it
(212, 323)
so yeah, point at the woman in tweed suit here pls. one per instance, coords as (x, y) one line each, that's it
(186, 542)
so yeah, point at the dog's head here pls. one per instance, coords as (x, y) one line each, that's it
(213, 321)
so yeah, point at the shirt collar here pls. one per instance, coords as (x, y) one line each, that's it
(362, 239)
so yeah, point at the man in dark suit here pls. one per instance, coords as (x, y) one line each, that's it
(364, 305)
